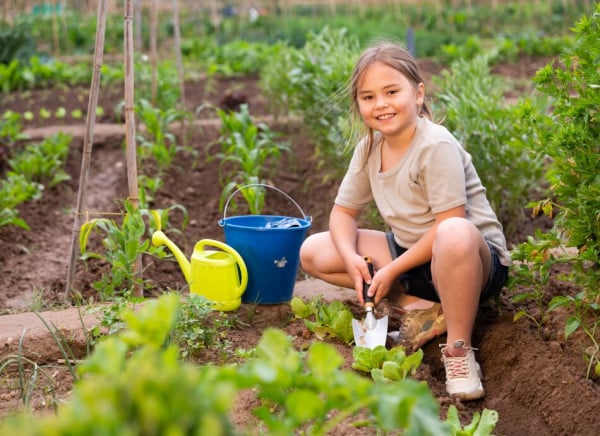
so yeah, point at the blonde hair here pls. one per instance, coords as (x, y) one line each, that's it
(395, 56)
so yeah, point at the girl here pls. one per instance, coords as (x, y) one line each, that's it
(446, 244)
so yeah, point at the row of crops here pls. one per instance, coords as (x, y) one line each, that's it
(545, 145)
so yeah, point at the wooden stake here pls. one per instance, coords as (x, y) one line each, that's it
(88, 142)
(132, 175)
(154, 50)
(177, 35)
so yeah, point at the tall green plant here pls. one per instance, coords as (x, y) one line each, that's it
(570, 139)
(249, 155)
(157, 140)
(474, 109)
(312, 82)
(123, 243)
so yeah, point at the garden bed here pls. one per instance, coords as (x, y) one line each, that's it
(534, 380)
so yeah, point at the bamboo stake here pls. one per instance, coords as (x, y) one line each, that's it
(177, 35)
(132, 175)
(55, 38)
(138, 27)
(88, 142)
(154, 49)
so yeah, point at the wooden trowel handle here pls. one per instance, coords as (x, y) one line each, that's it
(369, 301)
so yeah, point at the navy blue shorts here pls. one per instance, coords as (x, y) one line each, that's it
(418, 281)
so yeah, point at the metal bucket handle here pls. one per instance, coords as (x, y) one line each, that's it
(306, 217)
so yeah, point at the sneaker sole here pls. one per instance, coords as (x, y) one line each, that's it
(470, 396)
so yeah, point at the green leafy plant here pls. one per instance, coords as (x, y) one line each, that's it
(482, 423)
(15, 190)
(157, 141)
(311, 82)
(534, 266)
(249, 154)
(325, 319)
(199, 327)
(385, 365)
(123, 244)
(134, 383)
(30, 168)
(568, 137)
(43, 162)
(11, 129)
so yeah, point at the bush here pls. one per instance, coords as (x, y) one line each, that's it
(313, 82)
(570, 139)
(473, 106)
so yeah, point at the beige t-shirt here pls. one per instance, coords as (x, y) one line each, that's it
(436, 174)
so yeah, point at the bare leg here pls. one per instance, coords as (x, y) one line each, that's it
(460, 268)
(320, 259)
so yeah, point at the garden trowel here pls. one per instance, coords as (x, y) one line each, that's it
(372, 331)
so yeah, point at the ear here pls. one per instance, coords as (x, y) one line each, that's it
(420, 94)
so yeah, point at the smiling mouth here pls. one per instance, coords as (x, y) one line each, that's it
(384, 117)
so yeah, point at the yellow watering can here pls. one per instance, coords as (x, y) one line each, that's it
(219, 275)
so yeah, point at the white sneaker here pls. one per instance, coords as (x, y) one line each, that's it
(463, 374)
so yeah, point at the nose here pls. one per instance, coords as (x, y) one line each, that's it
(380, 102)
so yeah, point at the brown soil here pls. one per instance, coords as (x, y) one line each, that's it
(535, 380)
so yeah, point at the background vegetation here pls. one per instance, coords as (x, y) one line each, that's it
(544, 146)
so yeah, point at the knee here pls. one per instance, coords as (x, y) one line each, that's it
(456, 237)
(307, 254)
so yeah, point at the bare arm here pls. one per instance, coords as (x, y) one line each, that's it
(344, 230)
(416, 255)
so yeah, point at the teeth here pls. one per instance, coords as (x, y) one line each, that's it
(385, 117)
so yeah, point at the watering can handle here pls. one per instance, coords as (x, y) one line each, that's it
(264, 186)
(238, 258)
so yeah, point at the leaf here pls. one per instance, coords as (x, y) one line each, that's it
(84, 234)
(323, 359)
(152, 324)
(520, 314)
(452, 418)
(559, 301)
(392, 371)
(571, 326)
(299, 308)
(487, 423)
(304, 405)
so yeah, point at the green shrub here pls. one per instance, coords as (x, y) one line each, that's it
(473, 108)
(313, 82)
(16, 42)
(570, 139)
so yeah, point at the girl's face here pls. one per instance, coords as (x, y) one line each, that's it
(388, 101)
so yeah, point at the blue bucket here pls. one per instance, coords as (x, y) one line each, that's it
(270, 247)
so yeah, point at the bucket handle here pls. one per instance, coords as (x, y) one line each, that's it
(308, 218)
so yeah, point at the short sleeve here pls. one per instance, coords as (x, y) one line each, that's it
(442, 176)
(355, 190)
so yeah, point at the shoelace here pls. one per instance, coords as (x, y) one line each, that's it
(457, 367)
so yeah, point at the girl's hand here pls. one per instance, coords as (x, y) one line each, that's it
(359, 272)
(381, 284)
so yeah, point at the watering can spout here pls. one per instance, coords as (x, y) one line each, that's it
(159, 238)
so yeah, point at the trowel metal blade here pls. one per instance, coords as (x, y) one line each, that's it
(364, 337)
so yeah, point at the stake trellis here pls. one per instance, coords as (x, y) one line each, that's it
(87, 143)
(131, 155)
(130, 142)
